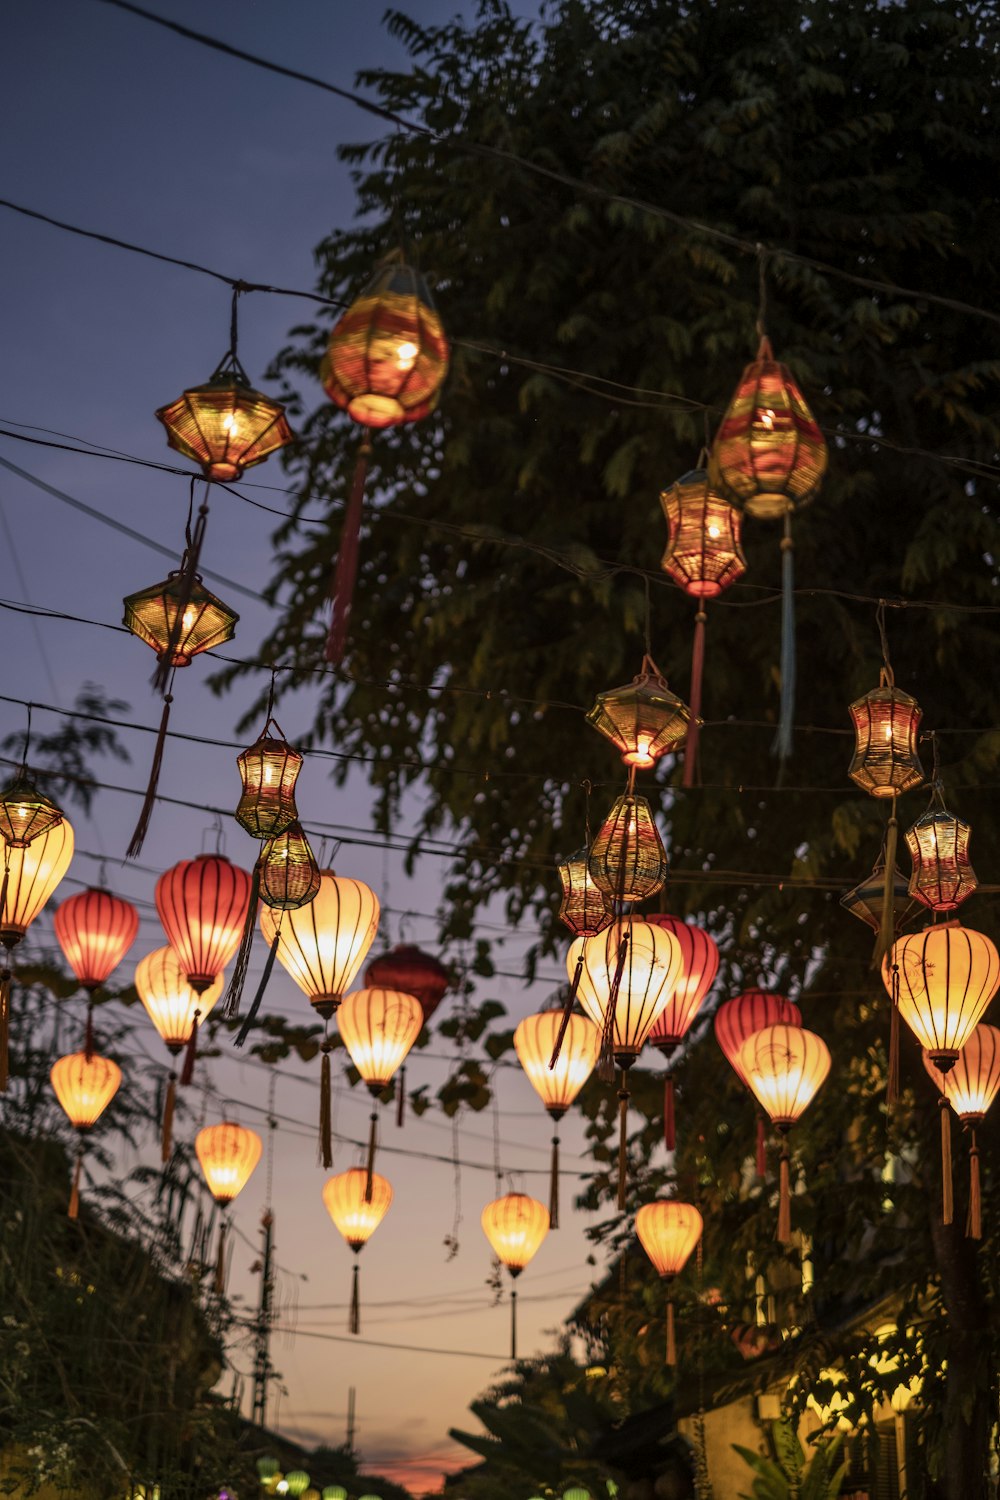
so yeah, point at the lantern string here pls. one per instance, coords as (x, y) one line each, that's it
(623, 1099)
(325, 1120)
(231, 1005)
(784, 1234)
(194, 539)
(892, 1082)
(887, 921)
(372, 1148)
(251, 1014)
(554, 1181)
(190, 1052)
(692, 736)
(167, 1123)
(73, 1211)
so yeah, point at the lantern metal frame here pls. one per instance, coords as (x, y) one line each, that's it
(942, 876)
(25, 812)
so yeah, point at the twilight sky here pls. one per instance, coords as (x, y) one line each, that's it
(111, 123)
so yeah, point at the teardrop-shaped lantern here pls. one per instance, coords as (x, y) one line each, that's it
(557, 1085)
(289, 874)
(203, 904)
(228, 1154)
(886, 723)
(379, 1027)
(769, 454)
(946, 975)
(206, 622)
(699, 966)
(268, 770)
(355, 1216)
(974, 1082)
(627, 859)
(95, 930)
(668, 1231)
(225, 425)
(34, 872)
(85, 1086)
(785, 1067)
(585, 908)
(170, 1001)
(25, 812)
(406, 967)
(703, 554)
(649, 972)
(737, 1019)
(942, 876)
(388, 354)
(644, 719)
(515, 1226)
(323, 945)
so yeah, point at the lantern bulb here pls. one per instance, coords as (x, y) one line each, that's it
(714, 533)
(640, 756)
(406, 354)
(767, 419)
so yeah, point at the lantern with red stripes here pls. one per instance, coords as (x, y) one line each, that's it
(700, 964)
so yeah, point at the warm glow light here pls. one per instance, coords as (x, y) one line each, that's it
(95, 930)
(534, 1039)
(736, 1020)
(324, 944)
(228, 1154)
(169, 1000)
(515, 1226)
(668, 1232)
(947, 976)
(406, 354)
(85, 1086)
(653, 964)
(785, 1066)
(225, 425)
(202, 905)
(831, 1410)
(354, 1216)
(703, 554)
(973, 1083)
(886, 725)
(379, 1027)
(643, 719)
(34, 874)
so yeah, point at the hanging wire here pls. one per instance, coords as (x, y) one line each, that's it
(884, 639)
(762, 259)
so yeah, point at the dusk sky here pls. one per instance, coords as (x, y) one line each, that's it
(115, 125)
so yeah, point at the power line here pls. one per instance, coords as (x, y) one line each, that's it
(355, 1340)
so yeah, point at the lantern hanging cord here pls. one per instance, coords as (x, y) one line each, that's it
(762, 258)
(884, 639)
(647, 617)
(27, 740)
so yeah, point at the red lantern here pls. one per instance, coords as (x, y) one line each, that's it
(95, 930)
(405, 967)
(203, 904)
(737, 1019)
(225, 425)
(942, 876)
(700, 964)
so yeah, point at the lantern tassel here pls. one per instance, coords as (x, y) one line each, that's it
(671, 1334)
(892, 1082)
(220, 1260)
(372, 1147)
(149, 802)
(669, 1127)
(606, 1060)
(782, 746)
(567, 1011)
(887, 925)
(354, 1325)
(88, 1038)
(697, 672)
(974, 1230)
(234, 994)
(622, 1142)
(947, 1197)
(189, 571)
(784, 1198)
(325, 1117)
(346, 571)
(554, 1184)
(513, 1322)
(4, 1026)
(761, 1147)
(167, 1126)
(190, 1052)
(401, 1098)
(6, 877)
(73, 1211)
(251, 1015)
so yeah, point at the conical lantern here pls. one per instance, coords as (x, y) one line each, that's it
(378, 1027)
(942, 876)
(85, 1085)
(970, 1088)
(627, 859)
(406, 967)
(699, 966)
(151, 614)
(225, 425)
(556, 1085)
(268, 771)
(704, 556)
(944, 978)
(228, 1154)
(356, 1215)
(644, 719)
(202, 904)
(175, 1009)
(95, 930)
(31, 875)
(323, 945)
(867, 899)
(785, 1067)
(515, 1226)
(668, 1232)
(25, 812)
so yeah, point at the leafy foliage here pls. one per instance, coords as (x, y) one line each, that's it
(791, 1476)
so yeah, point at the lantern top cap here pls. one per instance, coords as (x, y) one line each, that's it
(229, 374)
(395, 276)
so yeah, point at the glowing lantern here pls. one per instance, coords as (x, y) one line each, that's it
(356, 1215)
(175, 1009)
(737, 1019)
(699, 966)
(969, 1087)
(668, 1232)
(289, 874)
(95, 930)
(515, 1226)
(323, 945)
(202, 905)
(85, 1086)
(31, 875)
(642, 720)
(942, 875)
(785, 1067)
(25, 812)
(151, 614)
(227, 1154)
(585, 908)
(297, 1481)
(627, 860)
(886, 722)
(378, 1027)
(406, 967)
(225, 425)
(268, 770)
(556, 1085)
(946, 976)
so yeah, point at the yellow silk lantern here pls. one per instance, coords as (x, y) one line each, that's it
(556, 1085)
(379, 1026)
(357, 1213)
(85, 1085)
(515, 1226)
(668, 1232)
(785, 1066)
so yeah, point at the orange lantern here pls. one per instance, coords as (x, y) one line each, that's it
(31, 875)
(699, 966)
(558, 1084)
(175, 1008)
(151, 615)
(942, 876)
(356, 1215)
(225, 425)
(668, 1232)
(202, 905)
(627, 859)
(739, 1018)
(970, 1088)
(95, 930)
(85, 1085)
(942, 979)
(25, 812)
(785, 1067)
(886, 723)
(268, 771)
(515, 1226)
(378, 1027)
(228, 1154)
(642, 720)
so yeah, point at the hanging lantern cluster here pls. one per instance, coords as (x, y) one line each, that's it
(357, 1211)
(228, 1155)
(515, 1226)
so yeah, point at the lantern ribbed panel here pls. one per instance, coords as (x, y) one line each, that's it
(668, 1232)
(33, 875)
(534, 1040)
(169, 1000)
(737, 1019)
(785, 1066)
(652, 968)
(228, 1154)
(268, 770)
(289, 874)
(973, 1083)
(942, 876)
(867, 899)
(627, 859)
(948, 975)
(405, 967)
(585, 908)
(25, 812)
(354, 1216)
(379, 1027)
(225, 426)
(703, 554)
(95, 930)
(388, 354)
(769, 454)
(324, 944)
(85, 1086)
(885, 760)
(202, 905)
(699, 966)
(643, 720)
(515, 1226)
(207, 622)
